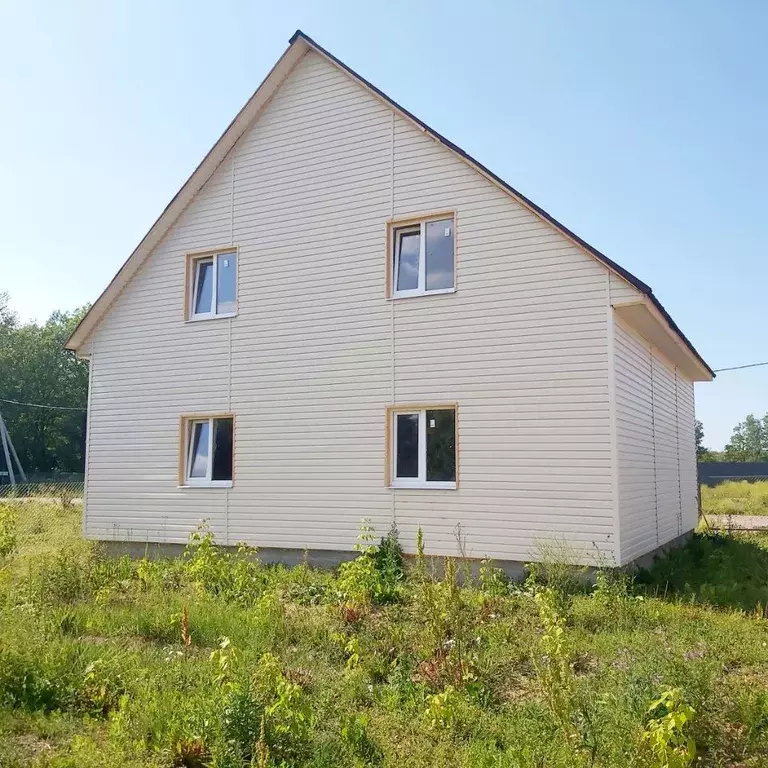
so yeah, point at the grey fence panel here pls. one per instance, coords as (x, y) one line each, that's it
(716, 472)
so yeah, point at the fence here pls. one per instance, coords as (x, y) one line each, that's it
(39, 516)
(715, 472)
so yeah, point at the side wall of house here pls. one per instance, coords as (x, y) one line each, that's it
(317, 353)
(656, 449)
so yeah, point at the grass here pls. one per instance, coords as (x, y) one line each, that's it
(735, 498)
(217, 660)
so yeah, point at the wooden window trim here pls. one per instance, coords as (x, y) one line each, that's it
(410, 221)
(183, 441)
(190, 260)
(389, 452)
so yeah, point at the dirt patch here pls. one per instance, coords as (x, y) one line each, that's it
(27, 747)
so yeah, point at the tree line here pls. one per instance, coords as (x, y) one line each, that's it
(749, 442)
(35, 368)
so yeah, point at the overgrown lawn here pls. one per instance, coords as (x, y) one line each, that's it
(217, 660)
(735, 498)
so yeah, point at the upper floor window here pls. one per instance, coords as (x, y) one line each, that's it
(422, 258)
(213, 279)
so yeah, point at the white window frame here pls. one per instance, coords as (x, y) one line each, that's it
(207, 481)
(420, 481)
(195, 262)
(398, 231)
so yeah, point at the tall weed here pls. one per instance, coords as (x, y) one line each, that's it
(375, 575)
(235, 576)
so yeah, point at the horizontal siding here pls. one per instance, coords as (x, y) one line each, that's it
(316, 352)
(622, 291)
(656, 448)
(522, 347)
(635, 446)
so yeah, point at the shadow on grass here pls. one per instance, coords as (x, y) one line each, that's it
(715, 568)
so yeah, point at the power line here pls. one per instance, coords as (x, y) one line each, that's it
(739, 367)
(40, 405)
(75, 408)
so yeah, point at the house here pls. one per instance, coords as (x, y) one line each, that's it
(342, 315)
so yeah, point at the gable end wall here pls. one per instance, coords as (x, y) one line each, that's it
(317, 353)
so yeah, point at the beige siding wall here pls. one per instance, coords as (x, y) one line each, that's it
(622, 291)
(316, 352)
(655, 447)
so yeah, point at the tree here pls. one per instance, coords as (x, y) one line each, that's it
(699, 430)
(703, 453)
(749, 441)
(35, 368)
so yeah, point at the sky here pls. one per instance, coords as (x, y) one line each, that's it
(643, 127)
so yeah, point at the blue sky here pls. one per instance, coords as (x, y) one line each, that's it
(641, 126)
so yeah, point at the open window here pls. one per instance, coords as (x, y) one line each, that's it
(423, 447)
(208, 451)
(212, 279)
(422, 256)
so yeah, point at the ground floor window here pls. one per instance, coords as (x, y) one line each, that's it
(423, 447)
(207, 450)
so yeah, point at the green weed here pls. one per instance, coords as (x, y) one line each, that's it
(667, 731)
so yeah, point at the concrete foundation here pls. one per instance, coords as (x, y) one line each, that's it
(320, 558)
(646, 560)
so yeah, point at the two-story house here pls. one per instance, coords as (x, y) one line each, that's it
(342, 315)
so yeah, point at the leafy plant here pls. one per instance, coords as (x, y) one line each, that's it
(667, 730)
(100, 691)
(556, 675)
(354, 733)
(493, 580)
(286, 714)
(421, 568)
(443, 708)
(352, 649)
(389, 563)
(374, 576)
(224, 659)
(553, 665)
(235, 576)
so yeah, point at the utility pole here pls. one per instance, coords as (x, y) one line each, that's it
(8, 451)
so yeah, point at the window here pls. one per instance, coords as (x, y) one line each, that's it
(208, 451)
(423, 257)
(214, 286)
(423, 447)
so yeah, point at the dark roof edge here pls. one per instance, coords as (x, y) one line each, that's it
(628, 276)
